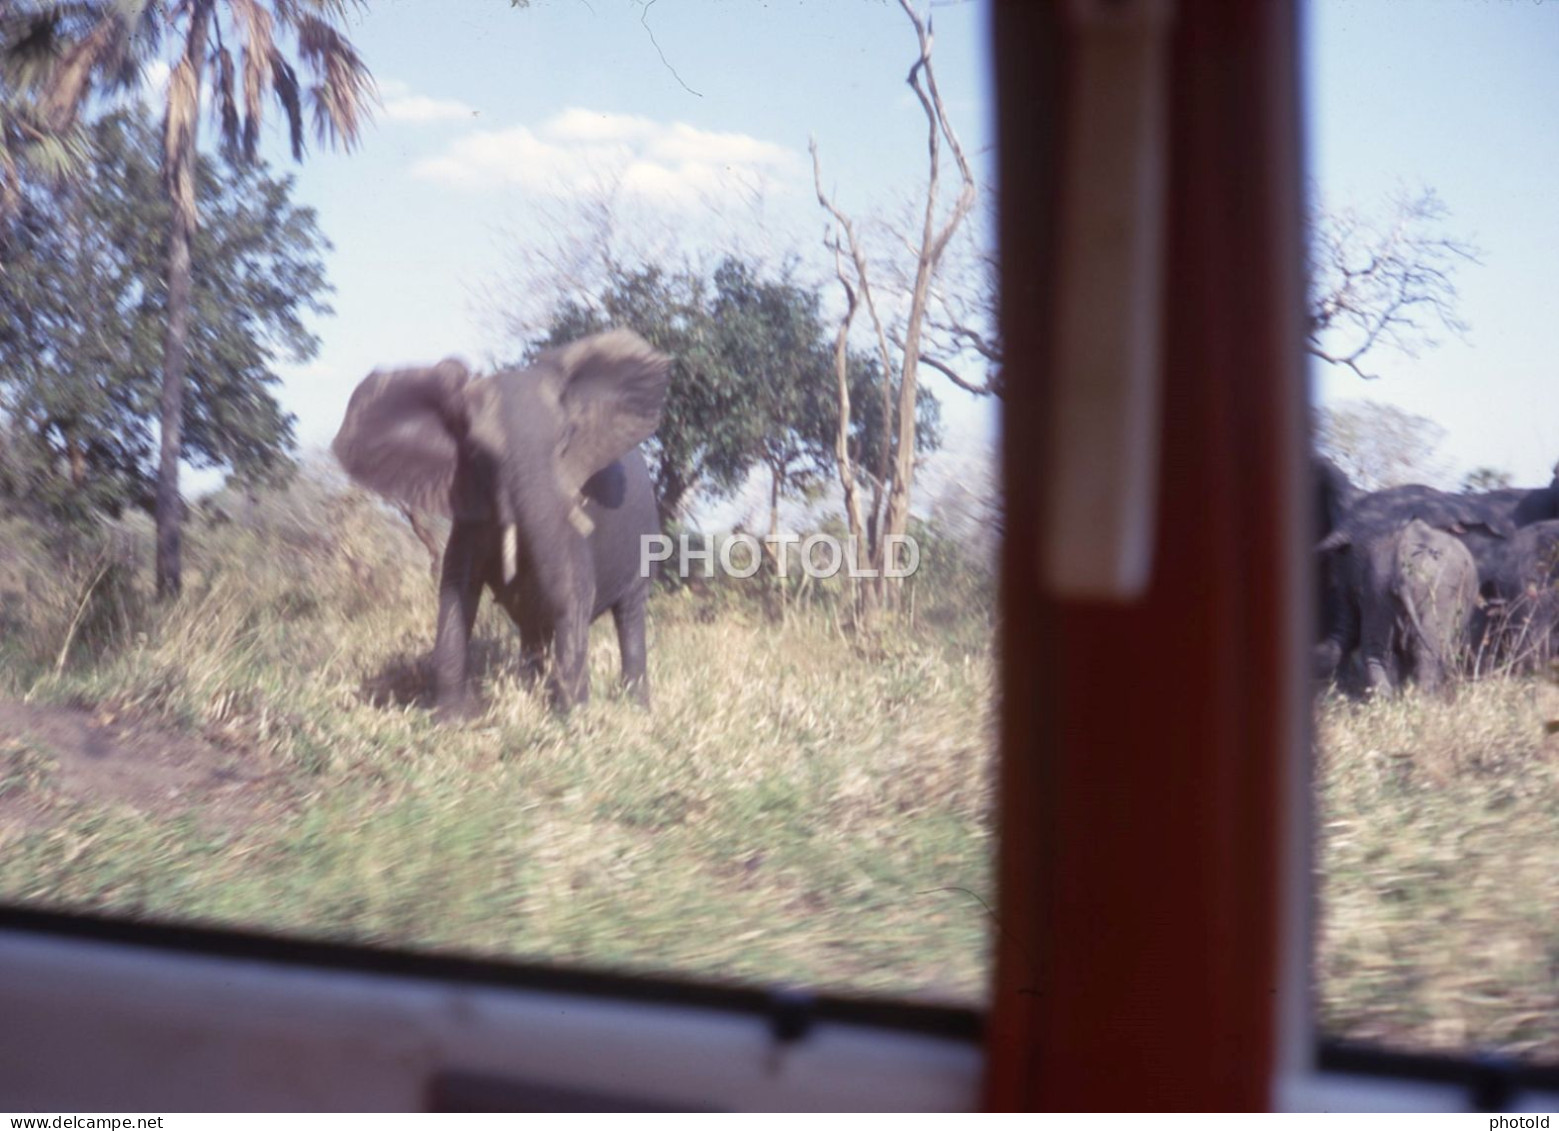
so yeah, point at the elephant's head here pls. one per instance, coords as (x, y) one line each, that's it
(515, 447)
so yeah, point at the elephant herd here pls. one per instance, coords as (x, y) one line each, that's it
(541, 471)
(1422, 584)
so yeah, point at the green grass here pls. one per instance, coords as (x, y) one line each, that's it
(801, 804)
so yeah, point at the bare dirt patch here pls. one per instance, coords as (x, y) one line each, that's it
(50, 754)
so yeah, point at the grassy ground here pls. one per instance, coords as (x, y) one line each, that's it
(1439, 870)
(800, 805)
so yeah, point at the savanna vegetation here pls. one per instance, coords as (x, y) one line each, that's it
(804, 803)
(215, 710)
(1437, 857)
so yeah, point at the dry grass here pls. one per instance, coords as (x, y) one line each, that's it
(800, 806)
(1439, 870)
(797, 807)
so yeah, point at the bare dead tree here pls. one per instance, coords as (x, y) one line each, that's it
(844, 233)
(928, 249)
(585, 239)
(842, 459)
(1385, 284)
(962, 329)
(933, 243)
(1380, 445)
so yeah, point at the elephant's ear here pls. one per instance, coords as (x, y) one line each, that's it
(611, 388)
(402, 433)
(1500, 526)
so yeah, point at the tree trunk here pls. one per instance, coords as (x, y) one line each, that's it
(672, 489)
(178, 157)
(895, 520)
(864, 602)
(933, 242)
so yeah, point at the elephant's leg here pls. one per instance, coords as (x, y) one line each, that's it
(1430, 663)
(460, 591)
(1438, 645)
(628, 615)
(1377, 632)
(1339, 617)
(1326, 658)
(534, 643)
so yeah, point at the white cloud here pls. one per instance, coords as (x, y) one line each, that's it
(680, 143)
(421, 108)
(403, 104)
(587, 127)
(577, 150)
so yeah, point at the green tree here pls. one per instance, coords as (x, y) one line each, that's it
(47, 49)
(705, 439)
(238, 44)
(769, 332)
(1485, 479)
(83, 315)
(751, 383)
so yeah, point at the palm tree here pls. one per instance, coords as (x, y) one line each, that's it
(239, 44)
(47, 51)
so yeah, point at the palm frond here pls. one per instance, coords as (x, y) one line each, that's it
(258, 46)
(224, 106)
(284, 80)
(343, 96)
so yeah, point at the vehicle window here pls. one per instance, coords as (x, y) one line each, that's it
(292, 649)
(1432, 242)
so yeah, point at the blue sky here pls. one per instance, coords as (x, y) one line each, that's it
(1461, 96)
(493, 115)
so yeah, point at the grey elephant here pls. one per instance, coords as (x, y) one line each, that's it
(540, 470)
(1412, 589)
(1434, 586)
(1523, 505)
(1367, 528)
(1519, 625)
(1335, 495)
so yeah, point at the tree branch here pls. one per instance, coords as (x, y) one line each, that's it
(990, 388)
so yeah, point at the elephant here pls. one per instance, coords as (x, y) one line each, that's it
(1434, 589)
(1520, 620)
(541, 473)
(1520, 615)
(1379, 602)
(1523, 505)
(1335, 494)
